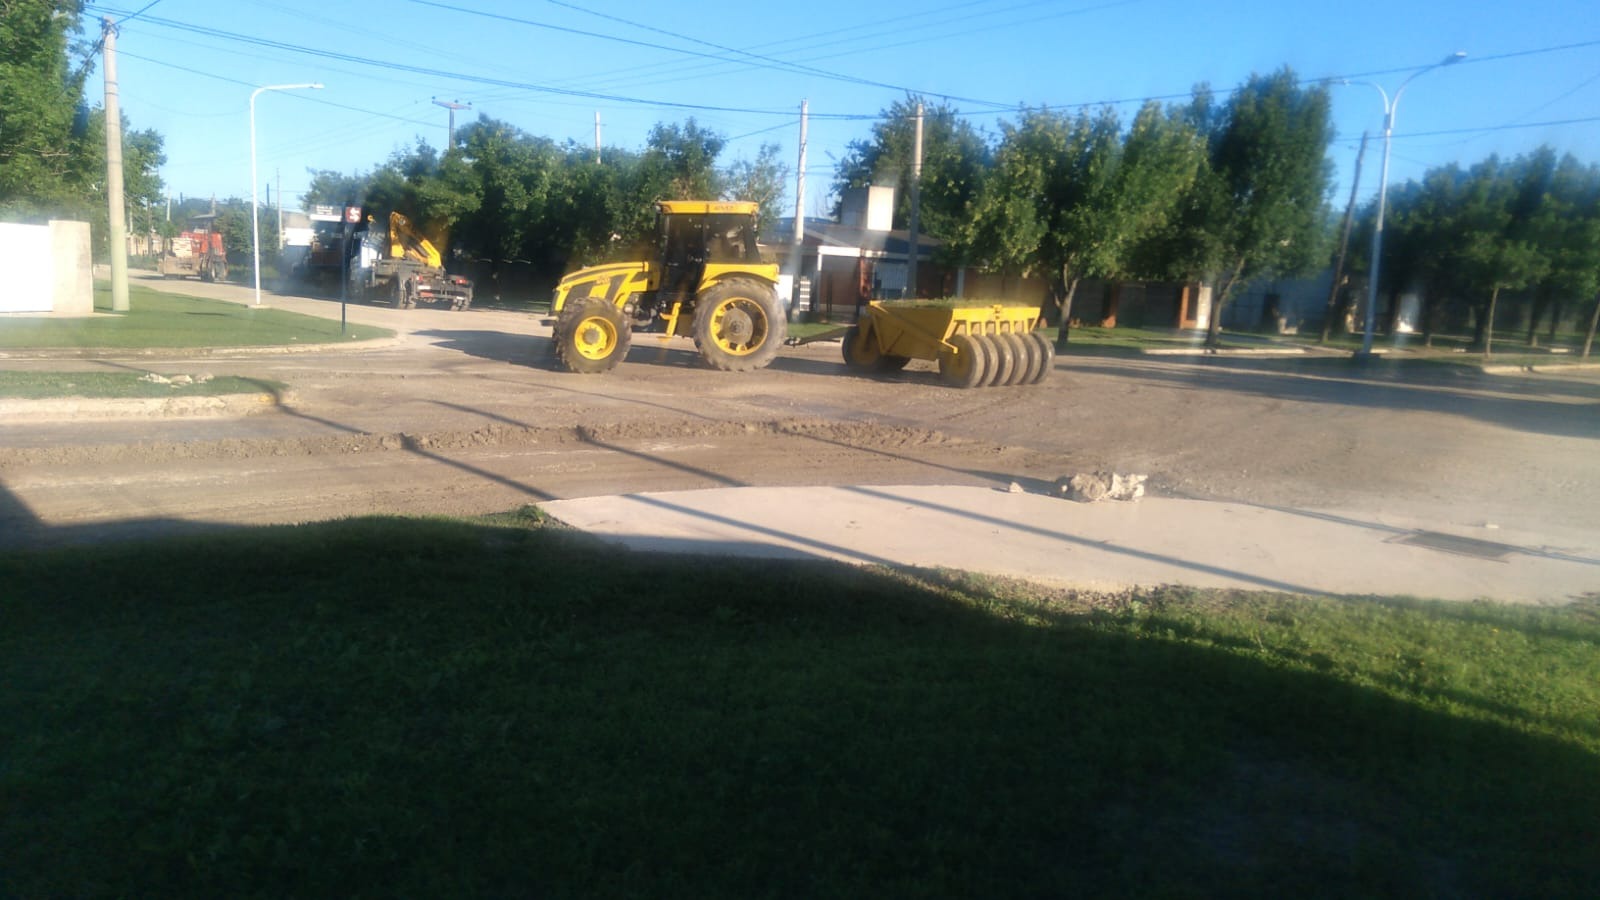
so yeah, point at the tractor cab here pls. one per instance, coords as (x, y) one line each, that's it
(693, 235)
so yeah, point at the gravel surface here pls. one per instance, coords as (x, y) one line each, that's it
(465, 413)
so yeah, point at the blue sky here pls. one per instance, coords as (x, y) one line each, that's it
(187, 70)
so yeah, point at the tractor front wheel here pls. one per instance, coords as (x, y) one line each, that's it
(592, 336)
(738, 325)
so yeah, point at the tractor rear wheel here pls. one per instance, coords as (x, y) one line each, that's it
(738, 325)
(592, 336)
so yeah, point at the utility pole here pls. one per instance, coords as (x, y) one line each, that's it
(597, 135)
(451, 105)
(800, 180)
(1344, 244)
(278, 175)
(117, 223)
(914, 247)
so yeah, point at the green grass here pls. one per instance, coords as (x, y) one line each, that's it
(391, 707)
(119, 385)
(1090, 338)
(157, 320)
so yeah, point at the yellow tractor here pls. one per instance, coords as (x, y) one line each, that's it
(705, 279)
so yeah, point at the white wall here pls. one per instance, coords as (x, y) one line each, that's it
(48, 269)
(24, 251)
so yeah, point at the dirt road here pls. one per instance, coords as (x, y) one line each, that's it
(464, 413)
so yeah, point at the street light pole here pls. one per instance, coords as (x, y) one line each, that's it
(1389, 106)
(255, 187)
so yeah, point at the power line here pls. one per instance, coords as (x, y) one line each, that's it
(142, 11)
(458, 76)
(1507, 127)
(303, 97)
(592, 95)
(769, 62)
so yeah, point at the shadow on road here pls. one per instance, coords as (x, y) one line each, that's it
(1415, 387)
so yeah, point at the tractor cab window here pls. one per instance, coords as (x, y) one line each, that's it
(716, 238)
(731, 239)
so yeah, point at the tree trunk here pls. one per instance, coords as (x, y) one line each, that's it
(1594, 320)
(1219, 299)
(1391, 316)
(1541, 302)
(1069, 287)
(1428, 311)
(1488, 324)
(1556, 309)
(1112, 305)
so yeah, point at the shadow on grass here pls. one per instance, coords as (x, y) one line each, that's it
(410, 707)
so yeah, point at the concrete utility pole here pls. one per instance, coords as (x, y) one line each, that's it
(913, 247)
(800, 180)
(452, 105)
(117, 223)
(278, 175)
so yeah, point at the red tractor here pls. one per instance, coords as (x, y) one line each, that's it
(197, 251)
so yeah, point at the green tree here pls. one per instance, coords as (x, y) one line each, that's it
(41, 127)
(1074, 197)
(331, 188)
(760, 180)
(955, 159)
(1258, 207)
(680, 162)
(1497, 248)
(233, 220)
(143, 155)
(1567, 227)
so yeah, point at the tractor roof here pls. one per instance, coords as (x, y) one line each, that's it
(707, 207)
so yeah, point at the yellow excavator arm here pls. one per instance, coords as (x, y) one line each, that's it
(406, 242)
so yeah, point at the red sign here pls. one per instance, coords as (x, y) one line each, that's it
(352, 215)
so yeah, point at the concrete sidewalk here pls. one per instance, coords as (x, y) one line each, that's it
(1104, 546)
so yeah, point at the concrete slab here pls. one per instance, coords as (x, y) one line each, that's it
(1103, 546)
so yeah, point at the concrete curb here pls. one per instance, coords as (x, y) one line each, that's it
(1538, 369)
(64, 409)
(1241, 351)
(193, 352)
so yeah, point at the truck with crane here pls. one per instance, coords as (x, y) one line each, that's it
(404, 267)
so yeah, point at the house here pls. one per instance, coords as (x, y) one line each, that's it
(841, 265)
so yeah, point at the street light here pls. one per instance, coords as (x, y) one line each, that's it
(1383, 189)
(255, 213)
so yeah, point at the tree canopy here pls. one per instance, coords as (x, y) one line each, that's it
(955, 158)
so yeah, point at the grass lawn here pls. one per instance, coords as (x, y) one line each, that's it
(1092, 338)
(157, 319)
(396, 707)
(121, 385)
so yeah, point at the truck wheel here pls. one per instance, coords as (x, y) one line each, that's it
(592, 336)
(738, 325)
